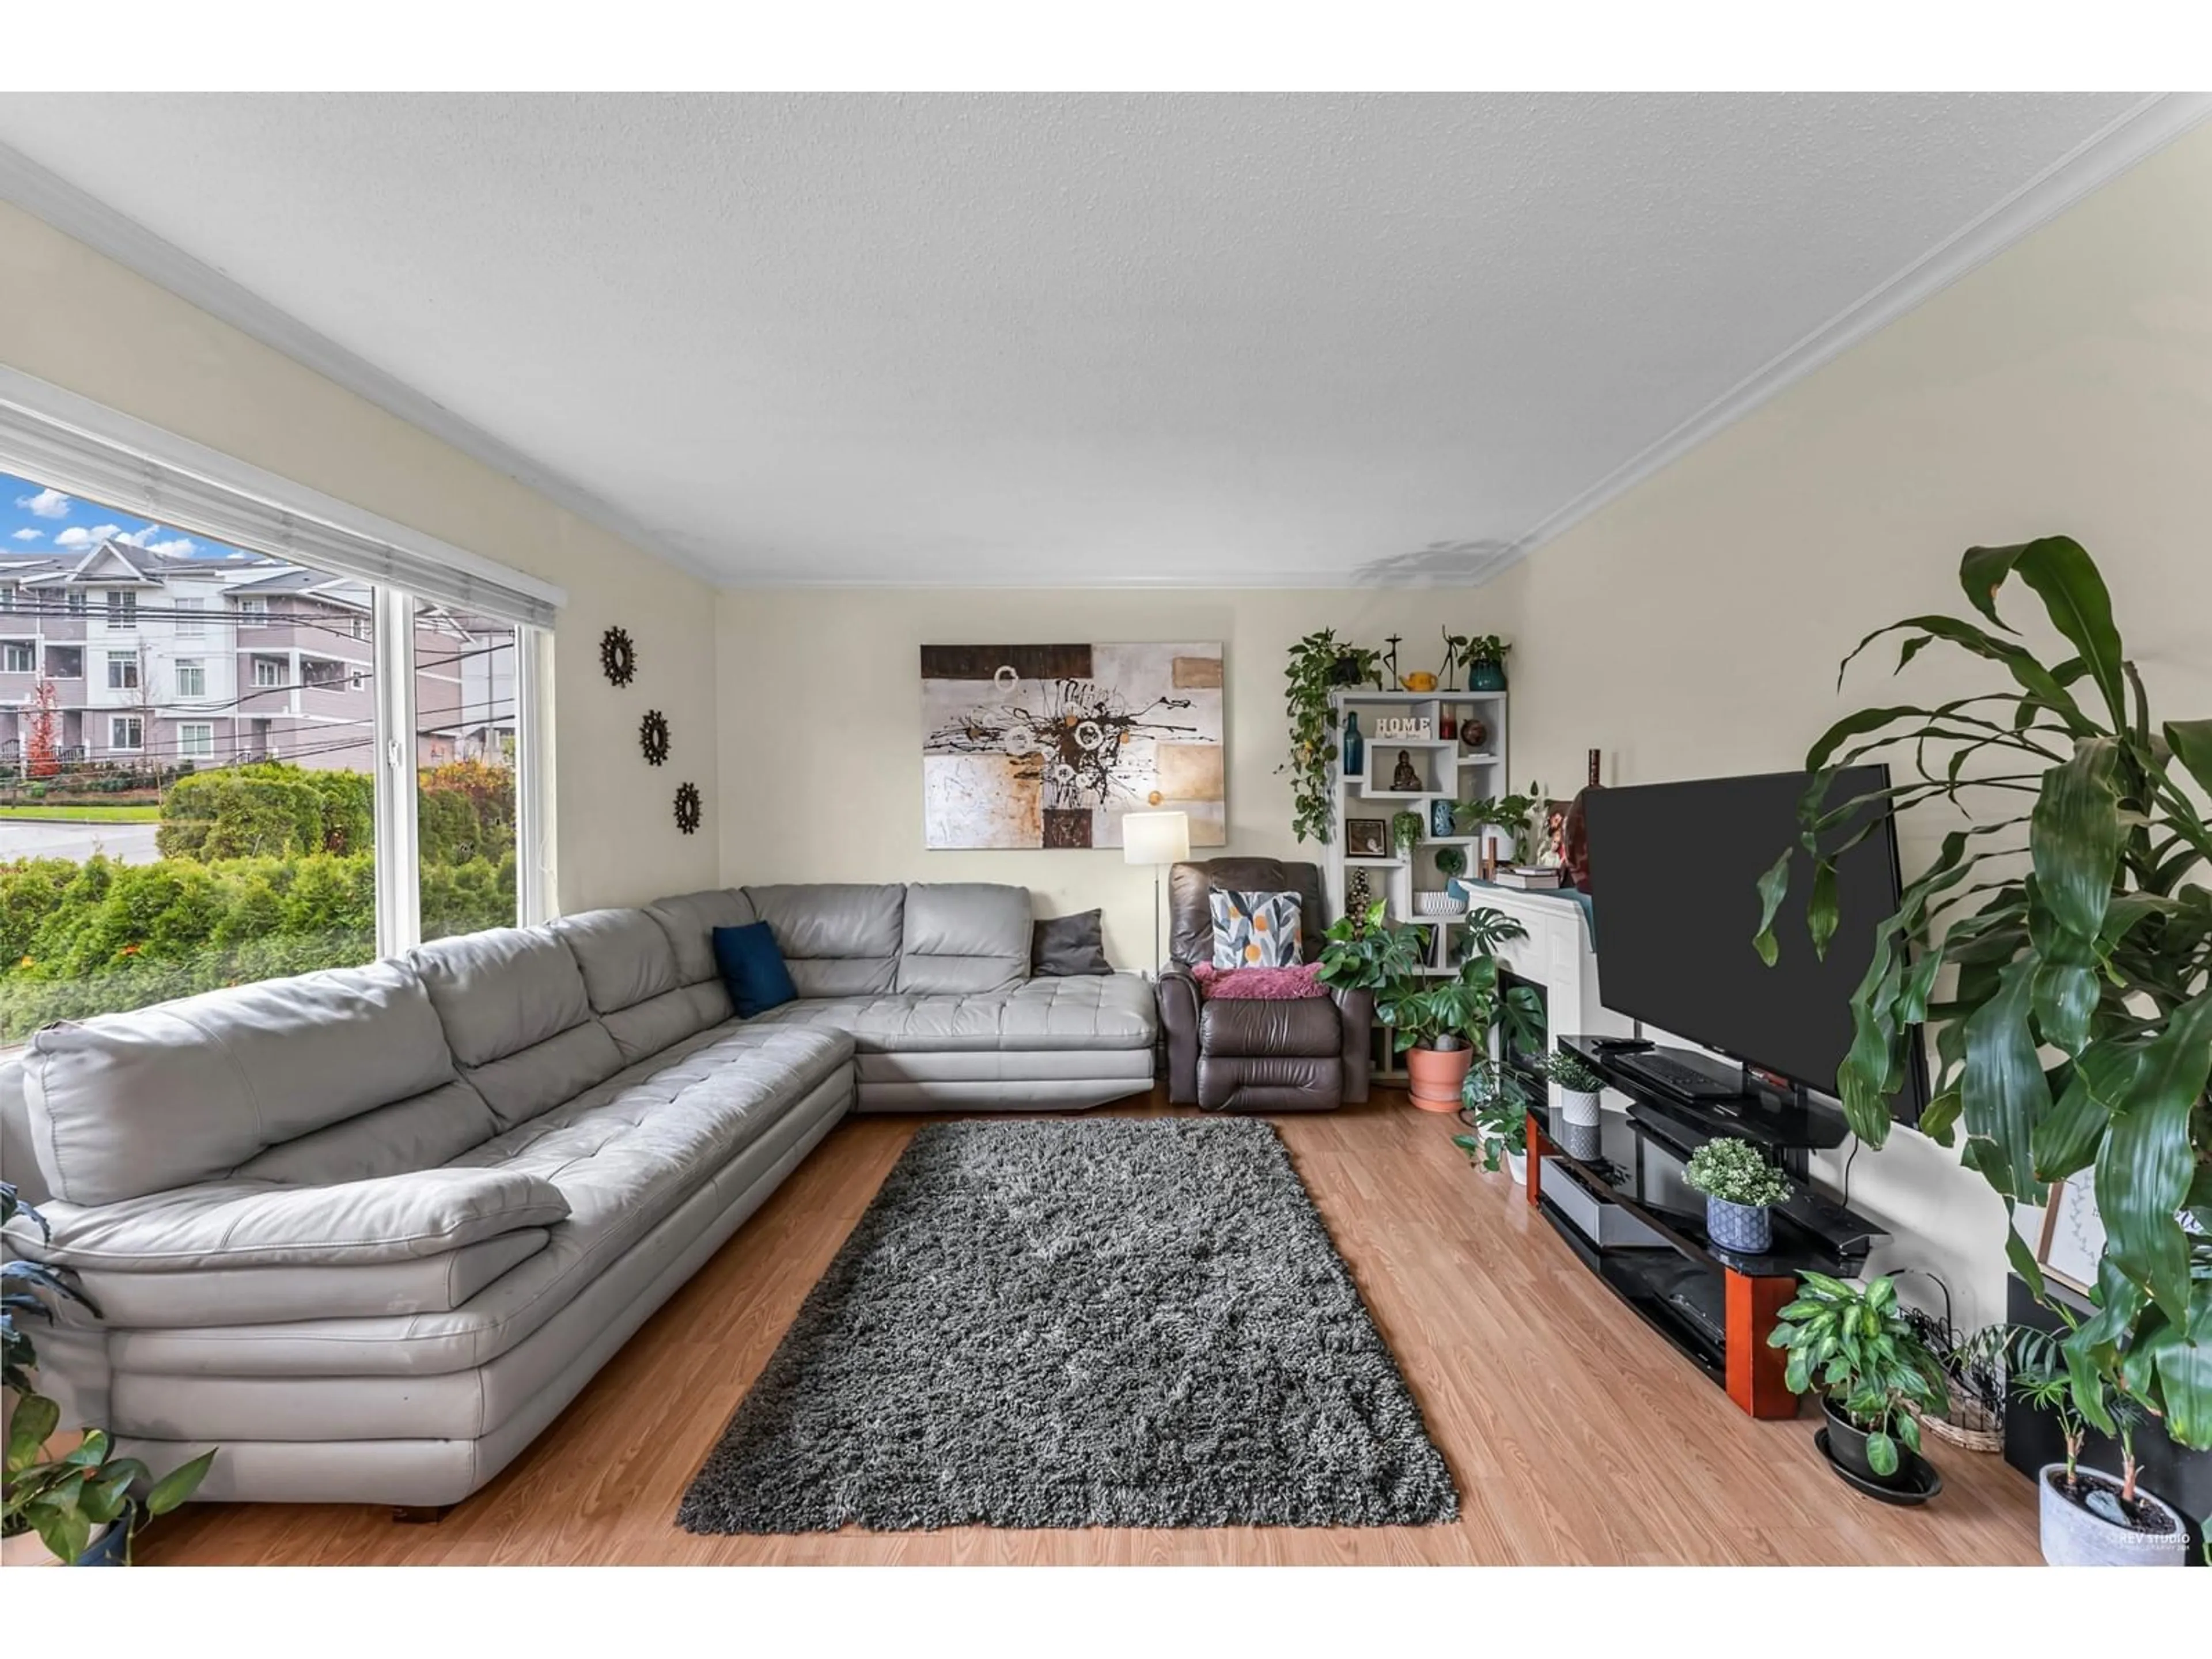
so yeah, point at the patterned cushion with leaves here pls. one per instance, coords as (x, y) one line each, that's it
(1255, 930)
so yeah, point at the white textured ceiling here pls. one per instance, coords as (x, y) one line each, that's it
(1064, 338)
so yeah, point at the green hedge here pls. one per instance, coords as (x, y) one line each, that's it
(100, 936)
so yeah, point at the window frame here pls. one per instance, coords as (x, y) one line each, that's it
(123, 607)
(198, 667)
(98, 453)
(115, 722)
(10, 648)
(188, 617)
(122, 670)
(184, 752)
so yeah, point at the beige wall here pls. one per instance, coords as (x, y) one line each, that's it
(821, 743)
(73, 318)
(1692, 627)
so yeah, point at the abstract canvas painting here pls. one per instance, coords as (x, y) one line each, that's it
(1050, 746)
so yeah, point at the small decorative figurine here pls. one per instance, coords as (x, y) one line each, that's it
(1405, 780)
(1390, 660)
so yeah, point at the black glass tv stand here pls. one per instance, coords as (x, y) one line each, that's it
(1614, 1195)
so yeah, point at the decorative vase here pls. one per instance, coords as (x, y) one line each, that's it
(1354, 748)
(1474, 733)
(1579, 1106)
(1440, 819)
(1746, 1229)
(1486, 676)
(1447, 724)
(2074, 1536)
(1434, 1077)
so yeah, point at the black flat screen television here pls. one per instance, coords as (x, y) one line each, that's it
(1673, 871)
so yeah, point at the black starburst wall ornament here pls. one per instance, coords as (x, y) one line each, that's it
(687, 808)
(652, 737)
(617, 656)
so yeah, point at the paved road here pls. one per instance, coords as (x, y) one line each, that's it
(133, 843)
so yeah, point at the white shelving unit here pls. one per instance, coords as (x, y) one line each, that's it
(1449, 770)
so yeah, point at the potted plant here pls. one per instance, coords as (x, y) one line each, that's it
(2077, 1037)
(74, 1505)
(1580, 1083)
(1492, 1105)
(1484, 656)
(1975, 1379)
(1740, 1188)
(2087, 1518)
(1443, 1025)
(1405, 831)
(1502, 821)
(1852, 1342)
(1320, 664)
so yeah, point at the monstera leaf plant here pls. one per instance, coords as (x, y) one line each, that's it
(2058, 948)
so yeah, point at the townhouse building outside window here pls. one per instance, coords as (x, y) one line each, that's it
(362, 780)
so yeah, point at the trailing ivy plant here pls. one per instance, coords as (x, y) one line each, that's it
(2077, 1034)
(1320, 664)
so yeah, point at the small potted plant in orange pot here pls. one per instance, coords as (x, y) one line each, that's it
(1443, 1025)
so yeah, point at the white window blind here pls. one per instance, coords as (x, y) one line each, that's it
(83, 448)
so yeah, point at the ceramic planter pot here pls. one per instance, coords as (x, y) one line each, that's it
(2074, 1536)
(1579, 1106)
(1516, 1166)
(1744, 1228)
(1486, 676)
(1847, 1445)
(27, 1549)
(1435, 1077)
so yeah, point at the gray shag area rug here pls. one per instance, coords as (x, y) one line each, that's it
(1114, 1322)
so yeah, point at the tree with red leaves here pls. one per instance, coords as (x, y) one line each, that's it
(41, 754)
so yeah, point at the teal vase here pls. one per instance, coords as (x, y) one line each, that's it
(1355, 746)
(1486, 676)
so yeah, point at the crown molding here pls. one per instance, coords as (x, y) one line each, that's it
(46, 196)
(2140, 133)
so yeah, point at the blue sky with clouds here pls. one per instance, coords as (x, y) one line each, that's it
(34, 518)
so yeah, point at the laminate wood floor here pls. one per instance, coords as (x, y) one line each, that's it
(1576, 1434)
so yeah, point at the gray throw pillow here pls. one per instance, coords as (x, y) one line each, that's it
(1067, 947)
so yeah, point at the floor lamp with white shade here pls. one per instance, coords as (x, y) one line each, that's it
(1158, 839)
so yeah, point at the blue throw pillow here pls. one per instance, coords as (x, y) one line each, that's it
(753, 968)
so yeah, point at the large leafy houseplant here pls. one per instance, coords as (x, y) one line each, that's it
(1320, 664)
(62, 1498)
(1853, 1343)
(2076, 1033)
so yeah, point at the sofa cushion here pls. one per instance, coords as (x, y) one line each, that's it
(1284, 1025)
(514, 1009)
(264, 1296)
(626, 1156)
(1066, 947)
(624, 955)
(840, 940)
(964, 936)
(138, 1102)
(753, 968)
(690, 920)
(258, 1225)
(633, 980)
(1117, 1011)
(419, 1133)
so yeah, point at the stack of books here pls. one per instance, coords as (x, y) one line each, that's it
(1530, 878)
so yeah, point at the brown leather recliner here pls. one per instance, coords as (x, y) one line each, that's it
(1306, 1056)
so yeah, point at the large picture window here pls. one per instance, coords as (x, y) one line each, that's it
(357, 775)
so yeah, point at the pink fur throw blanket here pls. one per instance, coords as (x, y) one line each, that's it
(1259, 984)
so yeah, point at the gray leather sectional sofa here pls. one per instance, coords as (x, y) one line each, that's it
(371, 1229)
